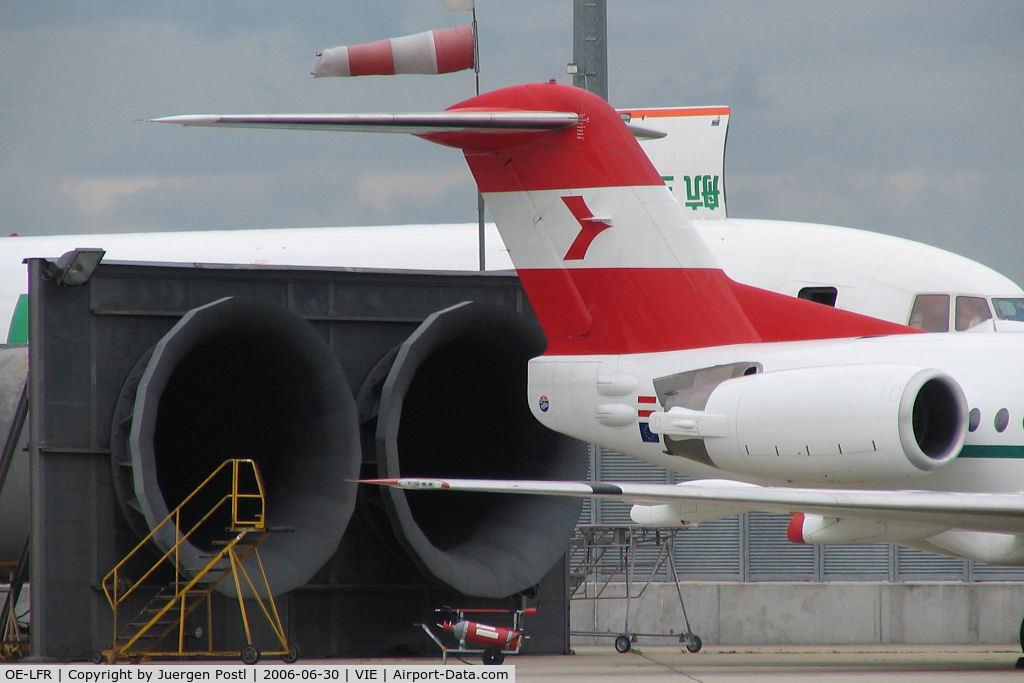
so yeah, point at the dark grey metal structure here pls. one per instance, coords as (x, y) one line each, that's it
(145, 377)
(590, 46)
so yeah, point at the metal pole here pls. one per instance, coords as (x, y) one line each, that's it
(476, 52)
(479, 197)
(590, 46)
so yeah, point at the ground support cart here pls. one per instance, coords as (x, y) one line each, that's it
(609, 552)
(475, 638)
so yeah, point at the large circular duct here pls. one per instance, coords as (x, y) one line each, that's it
(241, 379)
(454, 405)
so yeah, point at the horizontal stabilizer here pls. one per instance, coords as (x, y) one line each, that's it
(415, 124)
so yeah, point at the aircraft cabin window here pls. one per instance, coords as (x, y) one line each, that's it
(1002, 419)
(971, 311)
(819, 295)
(973, 419)
(1009, 308)
(930, 313)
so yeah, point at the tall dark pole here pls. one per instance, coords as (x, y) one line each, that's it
(479, 197)
(590, 46)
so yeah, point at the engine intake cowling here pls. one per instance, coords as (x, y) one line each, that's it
(844, 424)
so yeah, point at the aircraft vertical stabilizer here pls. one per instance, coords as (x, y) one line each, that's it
(607, 256)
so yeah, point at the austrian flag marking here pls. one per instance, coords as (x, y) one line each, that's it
(645, 401)
(646, 406)
(590, 227)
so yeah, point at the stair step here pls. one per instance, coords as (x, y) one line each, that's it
(138, 625)
(144, 636)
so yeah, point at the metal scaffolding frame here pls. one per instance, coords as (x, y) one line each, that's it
(594, 547)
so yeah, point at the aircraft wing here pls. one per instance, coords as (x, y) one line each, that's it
(994, 512)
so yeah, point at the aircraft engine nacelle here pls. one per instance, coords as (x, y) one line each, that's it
(843, 424)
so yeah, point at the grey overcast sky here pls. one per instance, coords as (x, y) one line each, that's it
(901, 117)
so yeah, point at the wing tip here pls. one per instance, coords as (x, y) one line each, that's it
(407, 483)
(186, 119)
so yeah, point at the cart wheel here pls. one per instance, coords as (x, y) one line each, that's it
(292, 655)
(494, 657)
(250, 654)
(693, 642)
(97, 657)
(622, 644)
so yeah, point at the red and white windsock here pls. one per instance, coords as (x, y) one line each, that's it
(439, 51)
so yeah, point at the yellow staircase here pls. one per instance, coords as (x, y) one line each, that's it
(13, 638)
(158, 630)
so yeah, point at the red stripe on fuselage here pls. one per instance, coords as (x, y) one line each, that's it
(638, 310)
(675, 112)
(643, 310)
(777, 317)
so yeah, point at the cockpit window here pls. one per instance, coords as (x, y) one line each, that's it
(1009, 308)
(930, 313)
(821, 295)
(971, 311)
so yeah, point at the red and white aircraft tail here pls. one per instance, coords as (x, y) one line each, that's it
(606, 254)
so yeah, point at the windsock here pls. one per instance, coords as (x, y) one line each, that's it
(439, 51)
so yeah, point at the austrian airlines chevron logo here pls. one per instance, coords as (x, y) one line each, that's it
(590, 228)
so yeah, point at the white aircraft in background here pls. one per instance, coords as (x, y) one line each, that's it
(878, 275)
(865, 430)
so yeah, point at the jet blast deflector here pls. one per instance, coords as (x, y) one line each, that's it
(152, 369)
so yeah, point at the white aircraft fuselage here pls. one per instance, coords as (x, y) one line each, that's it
(876, 274)
(840, 426)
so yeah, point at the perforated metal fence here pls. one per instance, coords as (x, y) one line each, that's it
(754, 547)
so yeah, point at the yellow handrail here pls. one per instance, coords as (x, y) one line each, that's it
(110, 581)
(155, 624)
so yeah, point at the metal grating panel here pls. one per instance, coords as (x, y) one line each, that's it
(771, 556)
(712, 550)
(856, 562)
(979, 571)
(914, 564)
